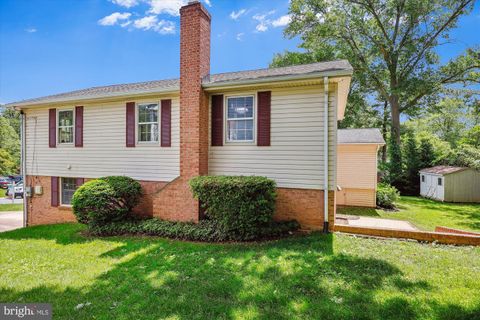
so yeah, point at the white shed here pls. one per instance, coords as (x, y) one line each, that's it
(450, 184)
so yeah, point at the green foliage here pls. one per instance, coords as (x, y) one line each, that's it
(10, 143)
(105, 200)
(426, 154)
(240, 205)
(387, 195)
(7, 163)
(465, 156)
(395, 167)
(472, 137)
(412, 166)
(204, 230)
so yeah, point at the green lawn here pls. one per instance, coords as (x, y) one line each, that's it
(426, 214)
(306, 277)
(3, 192)
(9, 207)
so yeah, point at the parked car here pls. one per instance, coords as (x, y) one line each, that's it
(15, 191)
(4, 182)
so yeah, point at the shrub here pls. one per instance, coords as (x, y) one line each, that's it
(387, 195)
(105, 200)
(205, 230)
(240, 206)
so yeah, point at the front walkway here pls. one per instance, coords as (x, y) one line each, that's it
(10, 220)
(368, 222)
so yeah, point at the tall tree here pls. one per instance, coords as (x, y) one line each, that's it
(391, 45)
(412, 167)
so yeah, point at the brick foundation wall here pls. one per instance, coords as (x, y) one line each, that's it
(40, 210)
(305, 206)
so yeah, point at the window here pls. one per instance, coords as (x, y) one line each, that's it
(148, 122)
(240, 116)
(423, 178)
(68, 187)
(439, 181)
(65, 126)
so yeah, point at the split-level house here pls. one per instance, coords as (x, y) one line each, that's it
(279, 122)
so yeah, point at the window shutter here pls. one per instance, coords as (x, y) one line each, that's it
(52, 128)
(217, 120)
(166, 125)
(54, 191)
(263, 118)
(79, 126)
(130, 136)
(79, 181)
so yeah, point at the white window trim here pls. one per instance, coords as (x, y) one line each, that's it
(225, 119)
(61, 192)
(137, 123)
(58, 127)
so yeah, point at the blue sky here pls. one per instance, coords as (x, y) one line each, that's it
(53, 46)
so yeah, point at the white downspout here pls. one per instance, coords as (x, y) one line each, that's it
(325, 152)
(23, 125)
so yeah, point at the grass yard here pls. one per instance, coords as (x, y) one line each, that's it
(3, 192)
(308, 277)
(426, 214)
(9, 207)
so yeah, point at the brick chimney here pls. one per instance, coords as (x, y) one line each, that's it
(194, 65)
(175, 201)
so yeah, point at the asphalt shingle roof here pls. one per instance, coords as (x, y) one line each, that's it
(352, 136)
(174, 84)
(443, 169)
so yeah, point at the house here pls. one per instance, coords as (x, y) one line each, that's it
(357, 171)
(278, 122)
(450, 184)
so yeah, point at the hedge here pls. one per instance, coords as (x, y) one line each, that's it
(205, 230)
(241, 206)
(387, 195)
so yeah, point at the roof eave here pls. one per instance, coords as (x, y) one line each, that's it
(208, 86)
(20, 105)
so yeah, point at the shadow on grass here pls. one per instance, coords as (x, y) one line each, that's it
(298, 277)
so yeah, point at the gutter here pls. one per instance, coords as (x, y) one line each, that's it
(24, 164)
(313, 75)
(325, 159)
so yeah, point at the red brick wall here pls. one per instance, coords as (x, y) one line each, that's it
(40, 210)
(305, 206)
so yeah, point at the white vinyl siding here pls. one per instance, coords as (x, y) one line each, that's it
(295, 157)
(104, 152)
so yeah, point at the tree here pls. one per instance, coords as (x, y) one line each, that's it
(391, 45)
(7, 163)
(412, 167)
(426, 154)
(9, 140)
(395, 169)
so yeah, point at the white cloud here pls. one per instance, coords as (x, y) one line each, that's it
(31, 30)
(114, 18)
(282, 21)
(170, 7)
(261, 27)
(240, 36)
(263, 22)
(208, 2)
(235, 15)
(125, 3)
(152, 23)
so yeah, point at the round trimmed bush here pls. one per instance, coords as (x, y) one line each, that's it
(387, 195)
(106, 199)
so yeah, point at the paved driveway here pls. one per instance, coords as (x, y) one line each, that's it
(10, 220)
(368, 222)
(9, 201)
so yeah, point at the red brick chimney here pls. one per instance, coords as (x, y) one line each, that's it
(175, 201)
(194, 65)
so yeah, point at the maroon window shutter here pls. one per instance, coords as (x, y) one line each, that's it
(130, 136)
(54, 191)
(166, 125)
(52, 128)
(79, 181)
(217, 120)
(79, 126)
(263, 118)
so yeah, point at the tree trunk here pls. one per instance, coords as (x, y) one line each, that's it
(395, 115)
(384, 131)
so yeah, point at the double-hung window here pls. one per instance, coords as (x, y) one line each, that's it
(439, 181)
(240, 119)
(68, 188)
(148, 122)
(65, 126)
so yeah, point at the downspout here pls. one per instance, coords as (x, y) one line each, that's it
(325, 153)
(24, 165)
